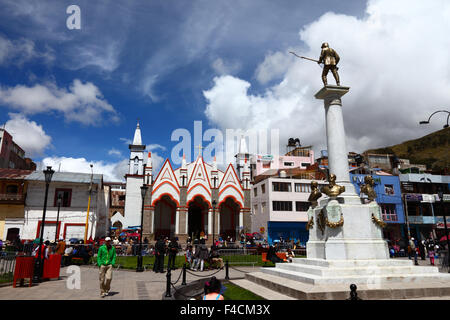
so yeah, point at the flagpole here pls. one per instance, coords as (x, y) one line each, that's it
(89, 204)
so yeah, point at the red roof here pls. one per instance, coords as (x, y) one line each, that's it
(17, 174)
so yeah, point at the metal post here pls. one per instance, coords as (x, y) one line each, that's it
(57, 218)
(183, 283)
(446, 233)
(39, 266)
(227, 277)
(168, 294)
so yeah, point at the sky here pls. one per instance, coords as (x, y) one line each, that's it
(71, 97)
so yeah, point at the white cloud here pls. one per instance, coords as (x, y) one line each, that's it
(21, 51)
(126, 140)
(115, 152)
(155, 146)
(83, 102)
(111, 171)
(29, 135)
(394, 59)
(225, 67)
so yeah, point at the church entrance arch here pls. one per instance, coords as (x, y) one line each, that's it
(229, 218)
(197, 217)
(164, 222)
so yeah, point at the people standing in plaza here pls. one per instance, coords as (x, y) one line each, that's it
(160, 249)
(431, 250)
(173, 250)
(106, 258)
(213, 288)
(215, 258)
(189, 255)
(202, 255)
(413, 246)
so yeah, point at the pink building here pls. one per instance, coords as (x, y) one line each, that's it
(300, 157)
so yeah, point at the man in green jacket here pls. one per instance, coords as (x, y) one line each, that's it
(106, 258)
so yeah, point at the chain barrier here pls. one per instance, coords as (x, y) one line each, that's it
(186, 295)
(181, 273)
(238, 269)
(206, 275)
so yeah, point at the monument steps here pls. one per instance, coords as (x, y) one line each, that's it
(350, 271)
(365, 278)
(305, 291)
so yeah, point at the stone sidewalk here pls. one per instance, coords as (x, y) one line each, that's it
(126, 285)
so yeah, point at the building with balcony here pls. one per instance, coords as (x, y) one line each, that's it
(299, 158)
(13, 190)
(73, 188)
(423, 206)
(389, 198)
(12, 155)
(279, 207)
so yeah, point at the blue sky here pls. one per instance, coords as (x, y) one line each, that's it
(78, 93)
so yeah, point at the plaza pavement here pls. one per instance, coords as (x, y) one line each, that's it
(131, 285)
(126, 285)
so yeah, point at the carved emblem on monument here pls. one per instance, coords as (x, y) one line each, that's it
(334, 217)
(376, 215)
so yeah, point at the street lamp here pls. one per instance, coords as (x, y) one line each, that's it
(441, 198)
(440, 192)
(214, 220)
(140, 267)
(39, 263)
(57, 217)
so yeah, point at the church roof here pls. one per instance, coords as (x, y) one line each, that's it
(137, 140)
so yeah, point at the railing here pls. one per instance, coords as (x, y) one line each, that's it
(11, 197)
(7, 265)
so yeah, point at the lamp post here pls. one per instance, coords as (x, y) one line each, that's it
(441, 198)
(440, 192)
(140, 267)
(214, 220)
(57, 217)
(39, 262)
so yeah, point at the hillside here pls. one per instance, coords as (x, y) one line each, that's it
(431, 150)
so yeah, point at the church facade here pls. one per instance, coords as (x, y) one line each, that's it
(193, 200)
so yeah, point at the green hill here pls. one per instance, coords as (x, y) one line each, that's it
(431, 150)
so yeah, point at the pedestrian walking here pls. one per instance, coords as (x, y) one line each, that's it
(413, 246)
(202, 255)
(160, 249)
(430, 248)
(106, 259)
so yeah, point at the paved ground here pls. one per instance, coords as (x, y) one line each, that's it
(129, 285)
(126, 285)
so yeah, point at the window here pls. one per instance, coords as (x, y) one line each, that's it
(263, 207)
(12, 188)
(388, 212)
(281, 186)
(66, 197)
(304, 164)
(255, 209)
(266, 165)
(301, 205)
(282, 205)
(255, 191)
(302, 187)
(389, 189)
(136, 165)
(288, 164)
(263, 188)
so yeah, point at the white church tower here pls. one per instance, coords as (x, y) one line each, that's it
(135, 179)
(241, 158)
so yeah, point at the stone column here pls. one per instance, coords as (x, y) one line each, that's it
(209, 222)
(336, 145)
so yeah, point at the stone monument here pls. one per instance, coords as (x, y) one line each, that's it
(346, 244)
